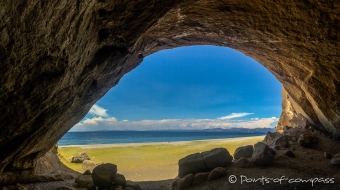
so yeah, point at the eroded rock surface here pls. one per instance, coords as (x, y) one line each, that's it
(59, 57)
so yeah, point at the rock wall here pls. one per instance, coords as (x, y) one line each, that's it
(59, 57)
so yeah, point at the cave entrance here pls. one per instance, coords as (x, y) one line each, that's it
(177, 102)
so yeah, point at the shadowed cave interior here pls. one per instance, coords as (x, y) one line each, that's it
(59, 58)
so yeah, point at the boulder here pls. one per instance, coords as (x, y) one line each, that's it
(243, 151)
(79, 158)
(203, 162)
(327, 155)
(84, 180)
(185, 182)
(200, 178)
(289, 153)
(282, 141)
(270, 138)
(218, 157)
(243, 163)
(217, 173)
(120, 180)
(103, 175)
(191, 164)
(132, 185)
(89, 165)
(336, 160)
(263, 155)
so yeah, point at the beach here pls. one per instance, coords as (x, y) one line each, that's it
(149, 161)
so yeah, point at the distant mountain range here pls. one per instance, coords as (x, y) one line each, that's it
(241, 130)
(231, 130)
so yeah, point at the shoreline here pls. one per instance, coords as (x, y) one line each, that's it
(91, 146)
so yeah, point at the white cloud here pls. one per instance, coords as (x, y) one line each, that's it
(102, 121)
(112, 123)
(234, 115)
(98, 111)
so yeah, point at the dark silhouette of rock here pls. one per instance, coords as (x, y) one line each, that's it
(289, 153)
(103, 175)
(200, 178)
(217, 173)
(263, 155)
(87, 172)
(282, 141)
(119, 180)
(84, 180)
(243, 162)
(185, 182)
(205, 161)
(191, 164)
(218, 157)
(244, 151)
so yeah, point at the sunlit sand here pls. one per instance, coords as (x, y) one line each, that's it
(149, 161)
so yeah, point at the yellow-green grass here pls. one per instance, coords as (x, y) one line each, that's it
(150, 161)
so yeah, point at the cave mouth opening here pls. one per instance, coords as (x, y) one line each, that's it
(183, 94)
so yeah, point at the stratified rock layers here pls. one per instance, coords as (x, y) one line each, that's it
(57, 58)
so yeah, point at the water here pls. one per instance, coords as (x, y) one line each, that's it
(117, 137)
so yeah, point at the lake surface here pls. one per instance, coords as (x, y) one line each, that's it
(118, 137)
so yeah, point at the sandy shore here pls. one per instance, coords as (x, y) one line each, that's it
(149, 161)
(230, 140)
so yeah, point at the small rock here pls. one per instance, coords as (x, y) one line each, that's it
(87, 172)
(174, 183)
(132, 185)
(120, 180)
(217, 173)
(263, 155)
(89, 165)
(276, 147)
(185, 182)
(79, 158)
(243, 163)
(327, 155)
(243, 151)
(200, 178)
(84, 180)
(289, 153)
(336, 160)
(103, 175)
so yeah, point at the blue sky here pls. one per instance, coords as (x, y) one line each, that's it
(193, 87)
